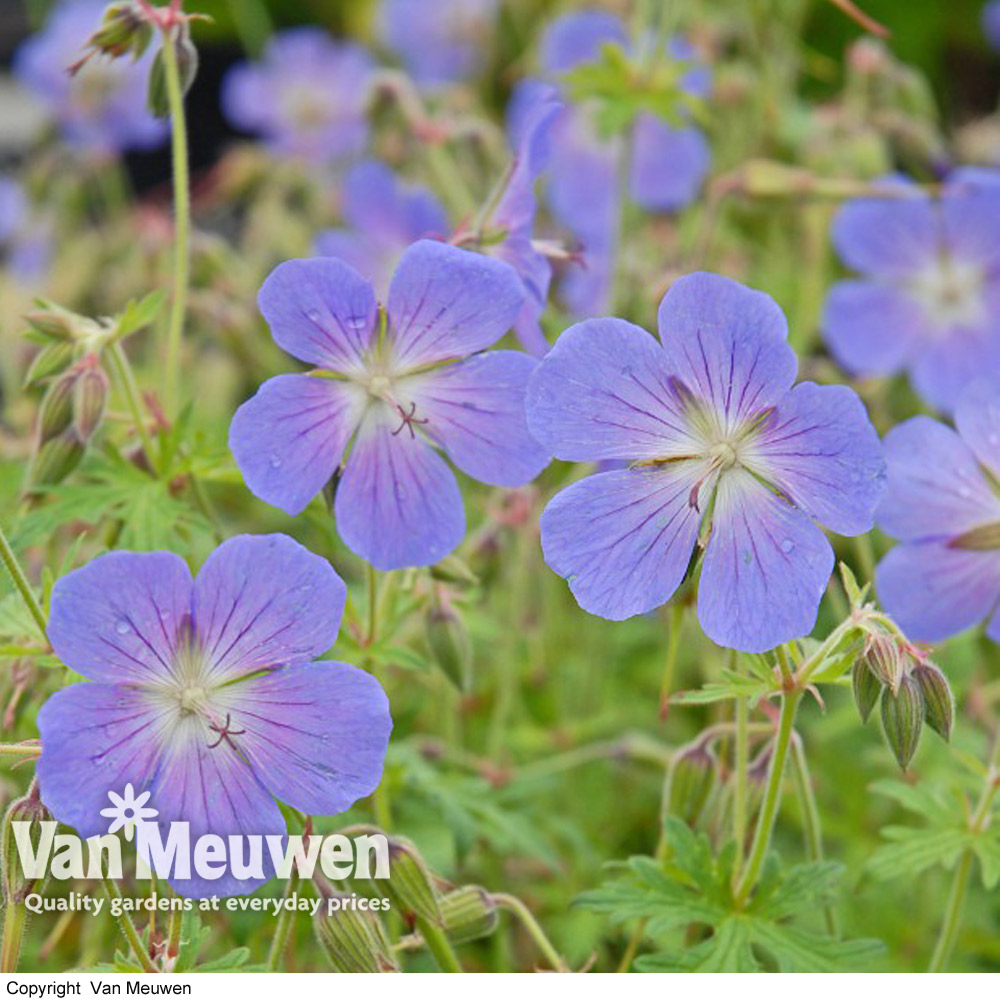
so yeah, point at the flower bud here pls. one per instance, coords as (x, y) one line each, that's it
(451, 569)
(903, 719)
(56, 411)
(55, 460)
(449, 643)
(52, 321)
(885, 659)
(353, 939)
(187, 68)
(124, 29)
(410, 885)
(690, 781)
(50, 360)
(468, 913)
(939, 704)
(27, 809)
(867, 687)
(90, 396)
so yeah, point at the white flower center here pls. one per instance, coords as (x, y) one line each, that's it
(951, 292)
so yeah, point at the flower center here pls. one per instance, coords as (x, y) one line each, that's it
(192, 698)
(724, 455)
(951, 292)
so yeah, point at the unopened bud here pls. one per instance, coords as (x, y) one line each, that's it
(56, 411)
(451, 569)
(449, 643)
(468, 913)
(52, 321)
(90, 396)
(50, 360)
(55, 460)
(353, 939)
(187, 68)
(939, 703)
(123, 30)
(29, 810)
(903, 719)
(867, 688)
(411, 887)
(689, 782)
(885, 659)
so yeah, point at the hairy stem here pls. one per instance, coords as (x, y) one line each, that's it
(283, 930)
(182, 216)
(438, 945)
(21, 581)
(126, 379)
(527, 919)
(772, 795)
(127, 928)
(14, 918)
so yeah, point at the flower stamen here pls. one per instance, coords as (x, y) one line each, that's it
(408, 420)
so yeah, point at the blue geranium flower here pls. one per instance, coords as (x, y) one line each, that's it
(928, 301)
(439, 41)
(202, 692)
(943, 505)
(384, 215)
(102, 109)
(399, 384)
(720, 444)
(668, 163)
(307, 97)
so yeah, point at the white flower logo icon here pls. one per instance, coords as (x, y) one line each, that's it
(127, 811)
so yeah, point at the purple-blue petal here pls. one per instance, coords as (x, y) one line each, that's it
(116, 619)
(475, 410)
(728, 344)
(820, 449)
(397, 501)
(934, 591)
(623, 539)
(935, 488)
(321, 311)
(872, 327)
(265, 601)
(314, 734)
(290, 436)
(604, 391)
(977, 418)
(765, 569)
(669, 164)
(446, 302)
(990, 19)
(578, 38)
(894, 236)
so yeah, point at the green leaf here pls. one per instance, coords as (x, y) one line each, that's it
(692, 892)
(734, 685)
(137, 315)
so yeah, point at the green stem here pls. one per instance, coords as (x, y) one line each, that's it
(21, 581)
(450, 182)
(740, 777)
(673, 645)
(14, 918)
(810, 820)
(515, 906)
(130, 389)
(438, 945)
(174, 926)
(21, 751)
(772, 795)
(127, 928)
(283, 930)
(960, 881)
(182, 216)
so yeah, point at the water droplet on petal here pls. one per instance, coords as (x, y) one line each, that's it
(275, 462)
(122, 627)
(787, 545)
(314, 315)
(357, 322)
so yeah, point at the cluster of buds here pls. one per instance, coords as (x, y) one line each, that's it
(76, 394)
(355, 940)
(912, 690)
(17, 886)
(124, 30)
